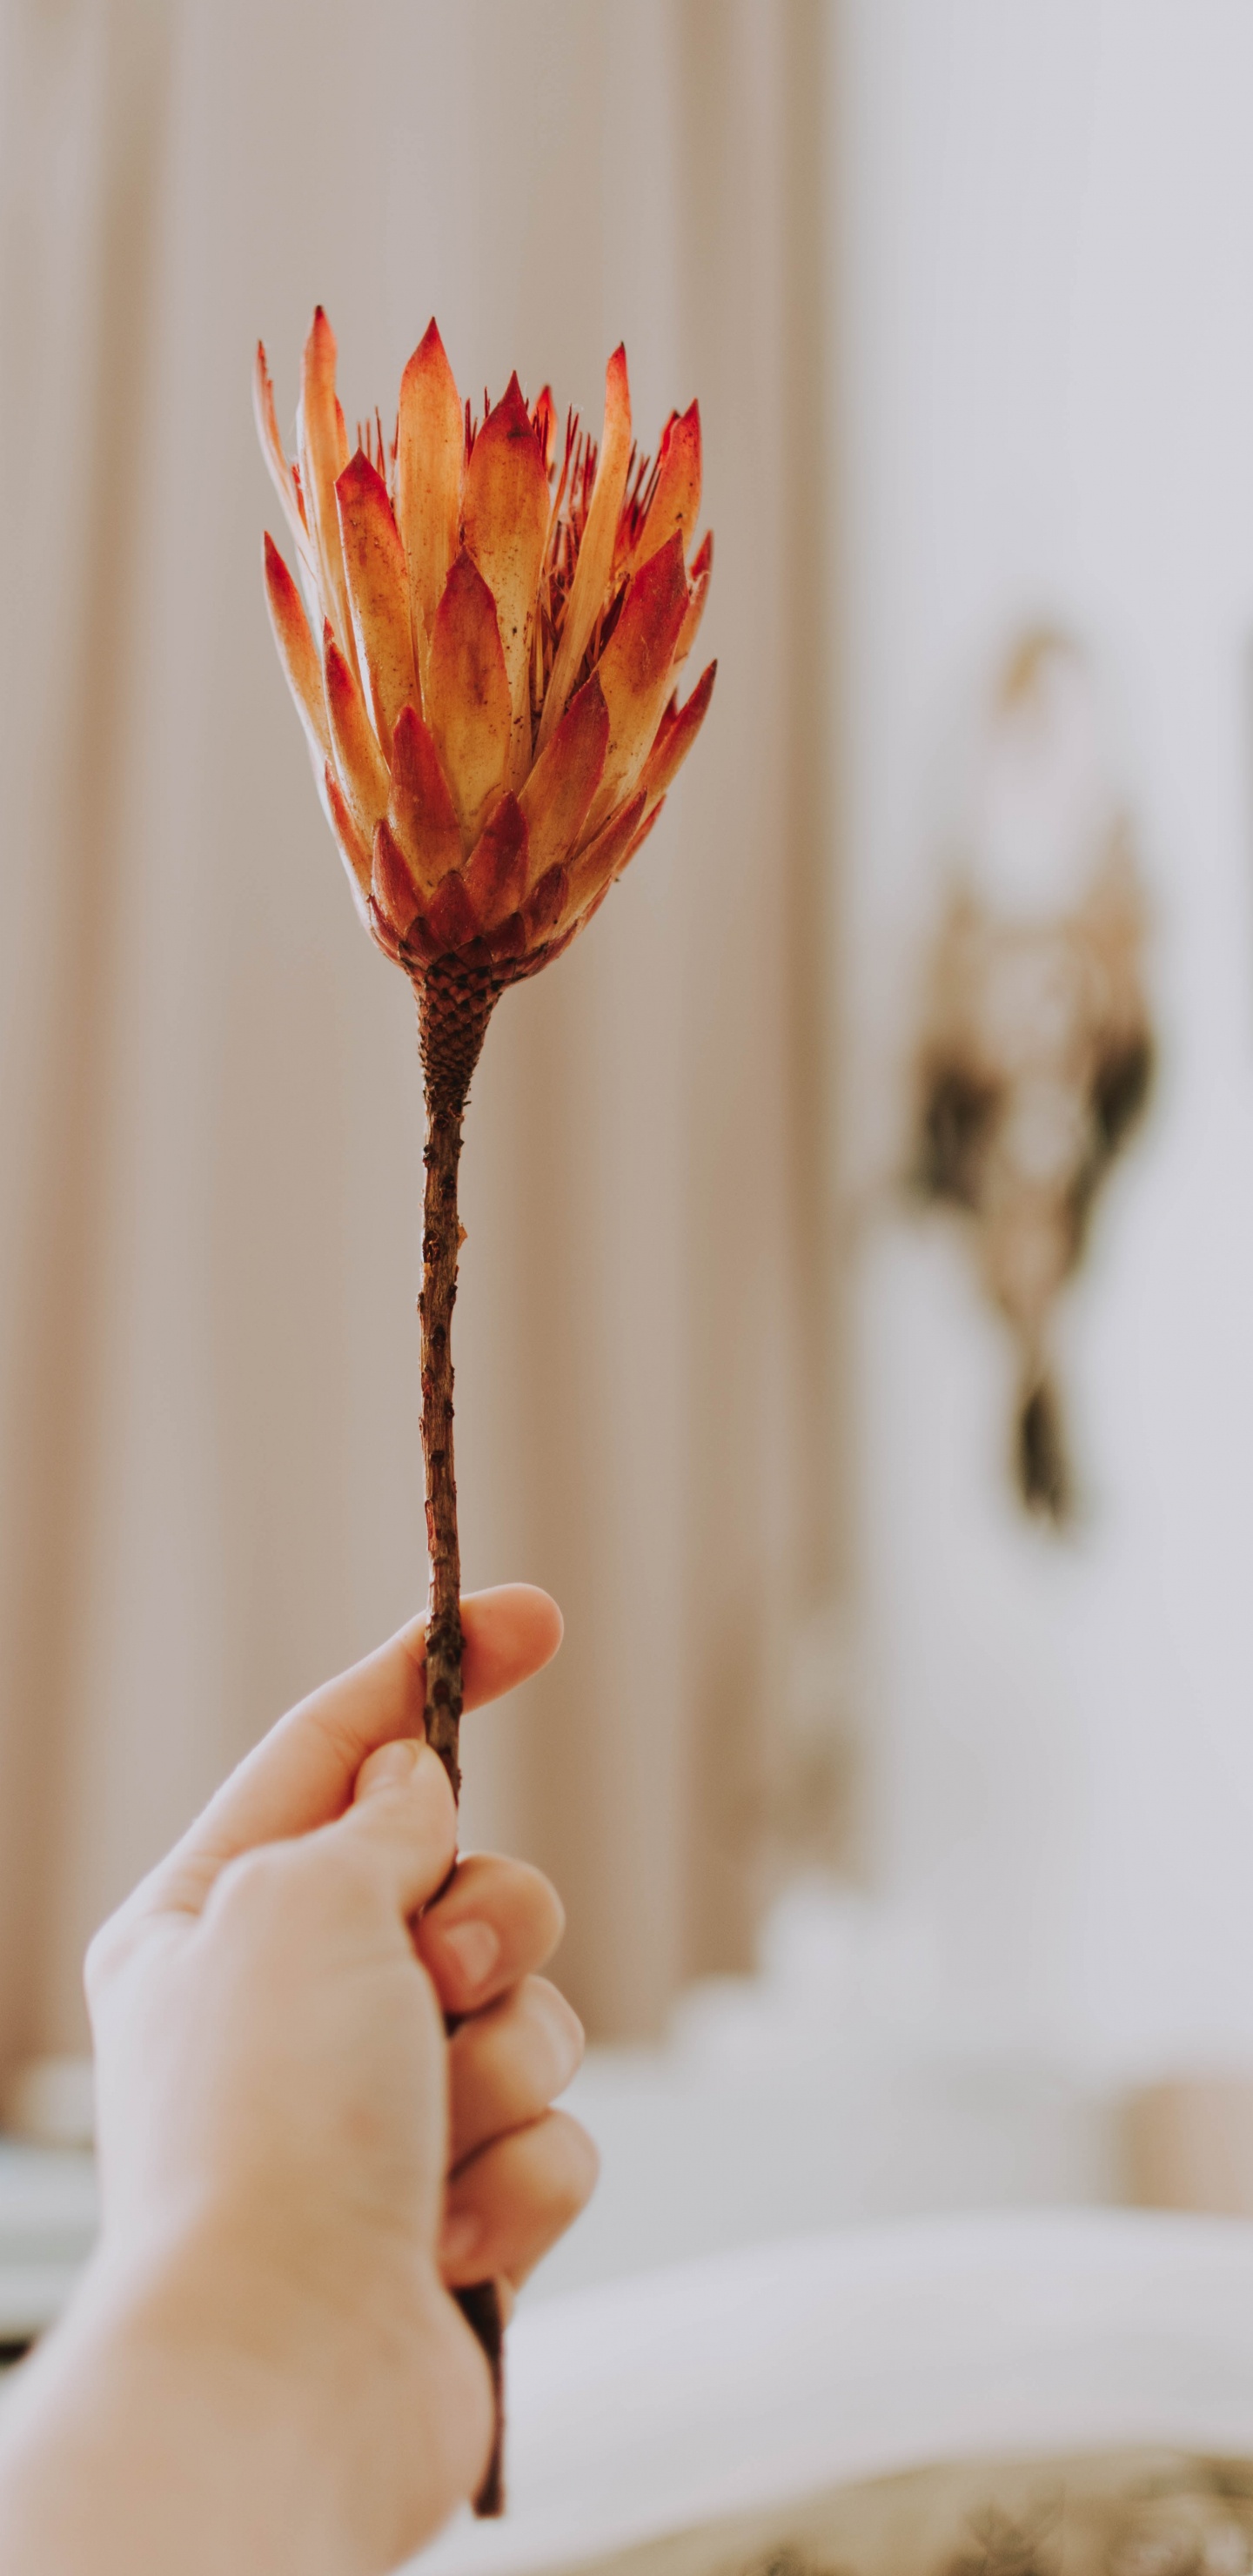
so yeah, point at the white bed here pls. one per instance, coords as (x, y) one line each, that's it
(647, 2405)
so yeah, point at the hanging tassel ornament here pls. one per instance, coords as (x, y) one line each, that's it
(1035, 1056)
(484, 661)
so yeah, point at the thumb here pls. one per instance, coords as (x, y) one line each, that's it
(403, 1818)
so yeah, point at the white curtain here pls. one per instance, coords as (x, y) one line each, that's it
(209, 1105)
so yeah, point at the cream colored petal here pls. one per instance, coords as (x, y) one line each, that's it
(595, 563)
(297, 652)
(430, 449)
(280, 471)
(323, 455)
(354, 851)
(467, 697)
(378, 594)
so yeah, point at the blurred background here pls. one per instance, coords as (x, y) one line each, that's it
(904, 1830)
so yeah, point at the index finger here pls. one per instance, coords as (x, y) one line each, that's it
(302, 1773)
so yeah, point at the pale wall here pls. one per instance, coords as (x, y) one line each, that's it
(1046, 219)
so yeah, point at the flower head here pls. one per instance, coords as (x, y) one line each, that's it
(486, 654)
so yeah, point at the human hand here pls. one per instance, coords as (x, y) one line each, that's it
(296, 2163)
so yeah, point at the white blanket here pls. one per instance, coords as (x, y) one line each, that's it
(657, 2403)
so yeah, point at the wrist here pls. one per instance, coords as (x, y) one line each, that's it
(198, 2409)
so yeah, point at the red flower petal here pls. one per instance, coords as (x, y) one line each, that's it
(675, 741)
(640, 835)
(504, 524)
(558, 794)
(391, 884)
(544, 418)
(701, 568)
(421, 811)
(284, 480)
(297, 651)
(359, 764)
(382, 934)
(675, 504)
(356, 852)
(421, 942)
(452, 916)
(378, 593)
(509, 938)
(467, 697)
(430, 443)
(595, 563)
(605, 855)
(545, 907)
(496, 873)
(323, 450)
(634, 671)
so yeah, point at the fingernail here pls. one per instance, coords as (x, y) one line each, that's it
(461, 2235)
(392, 1763)
(474, 1949)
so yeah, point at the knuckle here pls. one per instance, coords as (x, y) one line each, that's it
(549, 1911)
(398, 1807)
(105, 1953)
(574, 2165)
(355, 1880)
(560, 2026)
(518, 1887)
(513, 1895)
(255, 1884)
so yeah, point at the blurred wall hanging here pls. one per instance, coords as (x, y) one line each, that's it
(1035, 1053)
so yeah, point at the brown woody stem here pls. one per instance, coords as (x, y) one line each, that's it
(441, 1233)
(453, 1012)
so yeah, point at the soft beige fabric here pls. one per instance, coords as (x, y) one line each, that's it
(210, 1111)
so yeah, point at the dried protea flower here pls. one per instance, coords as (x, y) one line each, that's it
(490, 706)
(488, 690)
(485, 664)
